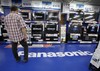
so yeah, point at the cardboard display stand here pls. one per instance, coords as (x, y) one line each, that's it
(95, 60)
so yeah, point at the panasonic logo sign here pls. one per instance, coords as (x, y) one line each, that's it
(56, 54)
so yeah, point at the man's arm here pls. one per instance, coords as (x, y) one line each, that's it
(22, 26)
(23, 29)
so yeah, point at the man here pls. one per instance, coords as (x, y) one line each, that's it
(16, 28)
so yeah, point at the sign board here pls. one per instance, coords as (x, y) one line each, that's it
(56, 5)
(65, 8)
(95, 60)
(46, 4)
(96, 8)
(6, 2)
(80, 6)
(41, 4)
(73, 6)
(88, 8)
(84, 7)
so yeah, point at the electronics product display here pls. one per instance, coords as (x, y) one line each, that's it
(3, 31)
(0, 26)
(46, 31)
(45, 27)
(75, 28)
(1, 38)
(51, 32)
(38, 16)
(51, 28)
(92, 32)
(26, 14)
(87, 30)
(28, 33)
(92, 29)
(5, 34)
(75, 31)
(37, 32)
(54, 16)
(76, 16)
(0, 30)
(75, 25)
(90, 17)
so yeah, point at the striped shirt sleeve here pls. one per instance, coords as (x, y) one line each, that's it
(5, 24)
(21, 22)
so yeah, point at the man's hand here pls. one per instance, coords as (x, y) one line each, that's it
(25, 37)
(25, 33)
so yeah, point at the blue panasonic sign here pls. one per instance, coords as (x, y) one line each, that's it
(56, 54)
(46, 3)
(80, 5)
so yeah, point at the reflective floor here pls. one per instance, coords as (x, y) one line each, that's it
(60, 57)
